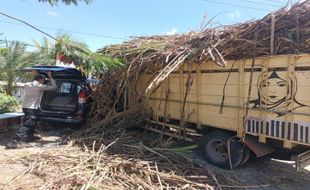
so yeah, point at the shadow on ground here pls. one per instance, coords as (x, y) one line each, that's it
(265, 173)
(48, 137)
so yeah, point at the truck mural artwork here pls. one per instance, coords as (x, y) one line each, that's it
(277, 116)
(281, 94)
(278, 97)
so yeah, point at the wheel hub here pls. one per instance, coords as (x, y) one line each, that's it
(218, 150)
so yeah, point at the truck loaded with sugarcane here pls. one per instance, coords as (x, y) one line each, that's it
(239, 89)
(241, 107)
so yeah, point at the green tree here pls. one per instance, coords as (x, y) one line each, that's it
(72, 49)
(7, 103)
(89, 62)
(67, 2)
(12, 59)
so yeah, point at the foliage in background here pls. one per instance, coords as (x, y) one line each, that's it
(98, 63)
(91, 63)
(7, 103)
(2, 51)
(1, 90)
(13, 58)
(45, 52)
(71, 49)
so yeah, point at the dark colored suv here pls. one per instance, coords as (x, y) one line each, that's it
(68, 104)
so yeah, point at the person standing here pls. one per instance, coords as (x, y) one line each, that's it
(30, 105)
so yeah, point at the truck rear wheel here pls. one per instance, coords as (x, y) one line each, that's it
(215, 150)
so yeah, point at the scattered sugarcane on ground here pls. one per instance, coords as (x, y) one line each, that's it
(130, 160)
(118, 159)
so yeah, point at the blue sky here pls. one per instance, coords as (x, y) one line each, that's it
(106, 22)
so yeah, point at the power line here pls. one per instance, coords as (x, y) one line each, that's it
(37, 29)
(259, 3)
(277, 1)
(71, 31)
(274, 1)
(234, 5)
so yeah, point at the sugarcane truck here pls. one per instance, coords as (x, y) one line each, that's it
(256, 106)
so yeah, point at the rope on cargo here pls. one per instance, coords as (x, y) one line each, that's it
(224, 89)
(188, 84)
(250, 84)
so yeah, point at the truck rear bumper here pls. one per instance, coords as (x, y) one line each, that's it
(302, 160)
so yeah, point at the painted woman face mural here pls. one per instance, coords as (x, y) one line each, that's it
(276, 94)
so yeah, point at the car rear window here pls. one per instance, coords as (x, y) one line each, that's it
(66, 88)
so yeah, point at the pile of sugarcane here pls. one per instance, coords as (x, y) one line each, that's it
(285, 31)
(125, 160)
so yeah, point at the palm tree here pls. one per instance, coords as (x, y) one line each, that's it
(12, 60)
(70, 48)
(87, 61)
(67, 2)
(45, 52)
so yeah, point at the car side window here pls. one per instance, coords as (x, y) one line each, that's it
(78, 88)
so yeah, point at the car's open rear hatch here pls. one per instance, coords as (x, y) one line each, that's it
(58, 72)
(63, 99)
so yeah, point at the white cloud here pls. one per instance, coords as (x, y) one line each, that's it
(172, 31)
(235, 14)
(51, 13)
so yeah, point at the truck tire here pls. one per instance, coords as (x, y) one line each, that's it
(215, 150)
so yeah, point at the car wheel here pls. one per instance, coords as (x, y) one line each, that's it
(215, 150)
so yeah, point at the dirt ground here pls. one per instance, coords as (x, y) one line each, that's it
(264, 173)
(11, 173)
(267, 174)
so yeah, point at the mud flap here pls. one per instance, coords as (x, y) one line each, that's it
(260, 149)
(302, 160)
